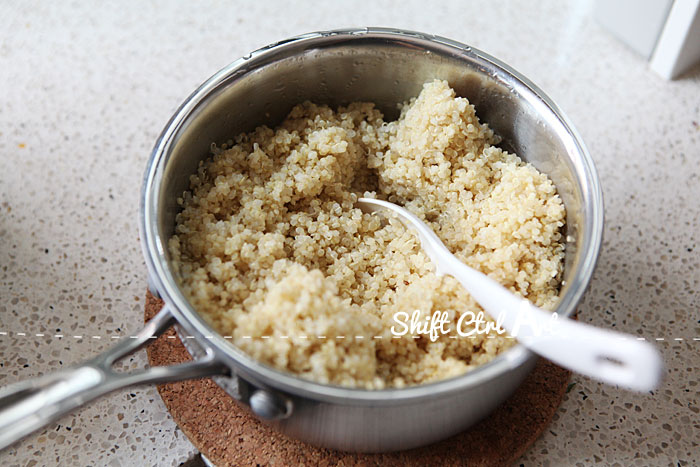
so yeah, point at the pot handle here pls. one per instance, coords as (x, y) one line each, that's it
(30, 405)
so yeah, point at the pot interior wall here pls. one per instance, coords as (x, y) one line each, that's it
(265, 87)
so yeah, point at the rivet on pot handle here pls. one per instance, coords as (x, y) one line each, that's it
(269, 405)
(30, 405)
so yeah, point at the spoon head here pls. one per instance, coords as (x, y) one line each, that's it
(431, 244)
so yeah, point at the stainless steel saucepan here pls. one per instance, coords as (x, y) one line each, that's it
(385, 66)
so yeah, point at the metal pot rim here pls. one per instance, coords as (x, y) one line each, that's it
(153, 245)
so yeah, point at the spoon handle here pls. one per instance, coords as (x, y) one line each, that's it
(609, 356)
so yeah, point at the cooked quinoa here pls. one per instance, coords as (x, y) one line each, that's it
(270, 248)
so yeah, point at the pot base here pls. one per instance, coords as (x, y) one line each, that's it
(228, 434)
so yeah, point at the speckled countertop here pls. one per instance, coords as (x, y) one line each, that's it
(86, 90)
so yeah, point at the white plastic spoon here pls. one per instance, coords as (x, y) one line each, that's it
(609, 356)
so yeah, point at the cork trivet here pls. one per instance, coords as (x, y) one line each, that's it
(227, 434)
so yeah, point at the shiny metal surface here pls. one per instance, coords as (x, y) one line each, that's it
(384, 66)
(30, 405)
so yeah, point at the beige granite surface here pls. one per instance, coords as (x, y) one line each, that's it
(86, 89)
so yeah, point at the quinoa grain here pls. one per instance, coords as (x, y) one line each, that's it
(269, 243)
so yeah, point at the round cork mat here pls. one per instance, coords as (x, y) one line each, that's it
(228, 434)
